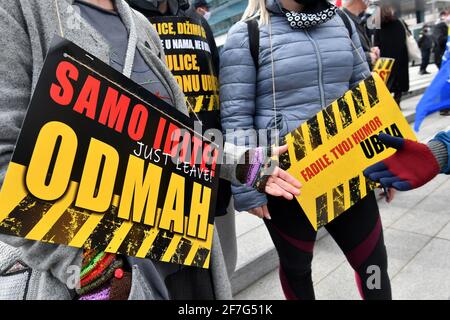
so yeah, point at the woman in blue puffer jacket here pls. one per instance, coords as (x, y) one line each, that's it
(307, 59)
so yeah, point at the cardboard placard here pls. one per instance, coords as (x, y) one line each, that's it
(93, 167)
(329, 152)
(383, 67)
(189, 58)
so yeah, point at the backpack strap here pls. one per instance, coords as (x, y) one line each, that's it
(346, 21)
(253, 40)
(348, 25)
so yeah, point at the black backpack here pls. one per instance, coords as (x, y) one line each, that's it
(253, 35)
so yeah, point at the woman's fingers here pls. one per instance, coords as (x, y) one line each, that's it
(286, 186)
(391, 195)
(282, 184)
(277, 191)
(257, 212)
(289, 178)
(273, 190)
(294, 184)
(261, 212)
(279, 150)
(266, 212)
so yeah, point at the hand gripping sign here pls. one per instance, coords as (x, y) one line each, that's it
(383, 67)
(93, 167)
(329, 152)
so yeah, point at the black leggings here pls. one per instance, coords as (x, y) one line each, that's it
(358, 232)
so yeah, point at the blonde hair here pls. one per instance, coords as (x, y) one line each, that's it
(255, 9)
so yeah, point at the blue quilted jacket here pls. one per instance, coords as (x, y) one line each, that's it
(313, 67)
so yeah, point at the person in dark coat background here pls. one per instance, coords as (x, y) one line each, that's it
(440, 35)
(391, 39)
(355, 10)
(202, 8)
(426, 45)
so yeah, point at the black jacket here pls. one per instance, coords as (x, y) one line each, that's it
(391, 39)
(440, 35)
(363, 36)
(425, 42)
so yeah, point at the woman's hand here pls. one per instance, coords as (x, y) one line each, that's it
(280, 183)
(273, 181)
(389, 194)
(261, 212)
(259, 171)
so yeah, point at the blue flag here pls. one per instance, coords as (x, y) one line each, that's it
(437, 96)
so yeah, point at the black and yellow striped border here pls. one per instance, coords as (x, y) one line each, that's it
(23, 215)
(324, 127)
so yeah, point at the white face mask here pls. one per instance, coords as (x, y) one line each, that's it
(207, 15)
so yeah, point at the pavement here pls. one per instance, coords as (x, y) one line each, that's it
(417, 236)
(419, 83)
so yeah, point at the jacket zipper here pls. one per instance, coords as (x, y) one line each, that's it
(319, 61)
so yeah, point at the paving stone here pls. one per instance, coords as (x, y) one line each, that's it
(427, 275)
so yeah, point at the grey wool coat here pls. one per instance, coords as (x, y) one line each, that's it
(27, 28)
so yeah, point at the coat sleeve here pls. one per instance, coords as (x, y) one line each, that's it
(237, 96)
(443, 35)
(15, 81)
(15, 92)
(440, 146)
(361, 69)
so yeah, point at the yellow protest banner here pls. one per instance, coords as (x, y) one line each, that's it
(329, 152)
(383, 67)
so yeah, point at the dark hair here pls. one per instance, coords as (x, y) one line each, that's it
(443, 13)
(387, 13)
(200, 4)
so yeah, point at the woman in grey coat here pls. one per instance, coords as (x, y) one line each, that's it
(308, 57)
(123, 38)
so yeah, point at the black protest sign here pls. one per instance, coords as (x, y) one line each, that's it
(94, 167)
(190, 58)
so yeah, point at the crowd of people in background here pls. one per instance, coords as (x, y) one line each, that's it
(433, 39)
(390, 41)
